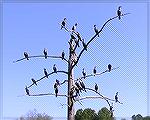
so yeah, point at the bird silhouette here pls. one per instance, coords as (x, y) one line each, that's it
(82, 85)
(45, 53)
(56, 89)
(72, 37)
(77, 91)
(116, 97)
(96, 87)
(94, 70)
(26, 55)
(54, 68)
(84, 73)
(119, 12)
(96, 30)
(79, 87)
(63, 24)
(77, 42)
(63, 55)
(74, 27)
(109, 67)
(34, 82)
(84, 45)
(79, 37)
(27, 91)
(45, 72)
(57, 81)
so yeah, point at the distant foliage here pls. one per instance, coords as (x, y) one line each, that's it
(34, 115)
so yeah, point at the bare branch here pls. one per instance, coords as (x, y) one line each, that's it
(95, 37)
(97, 74)
(48, 75)
(44, 94)
(41, 56)
(95, 97)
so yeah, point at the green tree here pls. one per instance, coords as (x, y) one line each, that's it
(146, 118)
(104, 114)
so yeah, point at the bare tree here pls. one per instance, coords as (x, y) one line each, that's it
(75, 86)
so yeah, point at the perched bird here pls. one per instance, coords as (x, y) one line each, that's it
(94, 70)
(111, 108)
(84, 45)
(63, 24)
(96, 30)
(34, 82)
(45, 53)
(116, 97)
(57, 81)
(109, 67)
(84, 73)
(27, 91)
(82, 85)
(26, 55)
(54, 68)
(63, 55)
(72, 37)
(77, 42)
(56, 89)
(96, 87)
(79, 37)
(119, 12)
(77, 91)
(74, 27)
(45, 72)
(78, 86)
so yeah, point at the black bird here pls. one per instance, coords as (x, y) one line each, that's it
(73, 37)
(45, 72)
(96, 87)
(63, 55)
(63, 23)
(116, 97)
(77, 91)
(77, 42)
(84, 44)
(45, 53)
(82, 85)
(54, 68)
(57, 81)
(78, 35)
(84, 73)
(56, 89)
(78, 86)
(109, 67)
(119, 12)
(34, 82)
(111, 107)
(96, 30)
(94, 70)
(26, 55)
(27, 90)
(74, 27)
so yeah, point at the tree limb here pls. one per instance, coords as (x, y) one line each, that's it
(44, 94)
(95, 37)
(97, 74)
(41, 56)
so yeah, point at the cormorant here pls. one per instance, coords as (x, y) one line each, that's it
(56, 89)
(27, 90)
(94, 70)
(96, 30)
(78, 35)
(82, 85)
(84, 44)
(57, 81)
(45, 53)
(77, 84)
(96, 87)
(109, 67)
(34, 82)
(119, 12)
(26, 55)
(74, 27)
(84, 73)
(63, 23)
(116, 97)
(45, 72)
(63, 55)
(54, 68)
(77, 91)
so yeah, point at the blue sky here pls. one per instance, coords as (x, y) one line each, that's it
(32, 27)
